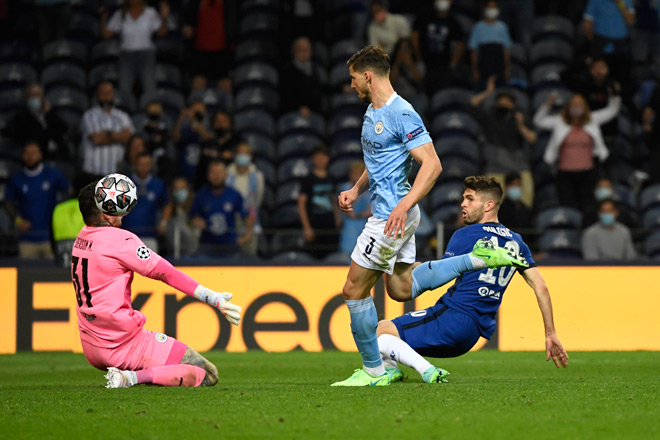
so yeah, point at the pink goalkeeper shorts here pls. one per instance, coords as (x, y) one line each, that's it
(147, 349)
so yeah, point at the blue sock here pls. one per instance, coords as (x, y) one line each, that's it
(364, 321)
(433, 274)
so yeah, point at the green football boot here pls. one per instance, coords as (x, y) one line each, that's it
(395, 374)
(361, 378)
(495, 256)
(435, 375)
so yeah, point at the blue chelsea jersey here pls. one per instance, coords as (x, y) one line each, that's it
(388, 135)
(479, 293)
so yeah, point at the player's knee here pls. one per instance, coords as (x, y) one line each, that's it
(350, 292)
(386, 327)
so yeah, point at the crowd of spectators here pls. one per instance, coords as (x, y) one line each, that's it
(236, 120)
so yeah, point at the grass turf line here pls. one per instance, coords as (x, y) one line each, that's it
(491, 395)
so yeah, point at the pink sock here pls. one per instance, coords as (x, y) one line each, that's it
(172, 375)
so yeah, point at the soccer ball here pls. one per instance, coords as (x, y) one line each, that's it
(115, 195)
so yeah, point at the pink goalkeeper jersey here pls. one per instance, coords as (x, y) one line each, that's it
(102, 266)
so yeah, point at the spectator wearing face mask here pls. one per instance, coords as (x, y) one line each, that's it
(608, 240)
(507, 138)
(575, 141)
(181, 240)
(221, 145)
(490, 43)
(513, 212)
(604, 190)
(105, 131)
(437, 39)
(37, 122)
(244, 177)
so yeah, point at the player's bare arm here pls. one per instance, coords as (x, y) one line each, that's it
(553, 346)
(348, 197)
(430, 169)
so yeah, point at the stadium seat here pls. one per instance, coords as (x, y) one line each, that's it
(547, 75)
(342, 50)
(292, 169)
(254, 121)
(452, 98)
(455, 123)
(64, 74)
(170, 50)
(519, 78)
(64, 51)
(320, 54)
(286, 217)
(101, 73)
(539, 98)
(16, 75)
(551, 50)
(446, 214)
(456, 168)
(264, 98)
(259, 25)
(287, 193)
(347, 121)
(257, 50)
(253, 6)
(171, 100)
(465, 21)
(340, 102)
(106, 51)
(649, 197)
(546, 197)
(518, 55)
(561, 243)
(129, 105)
(461, 146)
(340, 168)
(522, 99)
(297, 145)
(168, 76)
(292, 258)
(295, 123)
(560, 217)
(84, 27)
(339, 76)
(552, 26)
(262, 146)
(450, 193)
(17, 51)
(625, 197)
(267, 169)
(256, 74)
(343, 148)
(12, 100)
(652, 245)
(68, 98)
(651, 219)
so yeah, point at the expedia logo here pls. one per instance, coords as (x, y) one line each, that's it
(370, 145)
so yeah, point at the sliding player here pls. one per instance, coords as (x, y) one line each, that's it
(467, 311)
(112, 333)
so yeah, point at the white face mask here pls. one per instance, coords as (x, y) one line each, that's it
(442, 5)
(491, 13)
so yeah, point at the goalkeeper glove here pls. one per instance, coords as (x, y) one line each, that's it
(221, 301)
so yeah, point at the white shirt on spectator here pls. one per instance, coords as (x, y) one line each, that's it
(102, 159)
(135, 33)
(388, 33)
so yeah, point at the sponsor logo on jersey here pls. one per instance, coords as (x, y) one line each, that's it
(414, 134)
(379, 127)
(160, 337)
(143, 253)
(369, 145)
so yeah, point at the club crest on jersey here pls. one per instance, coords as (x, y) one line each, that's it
(379, 127)
(143, 253)
(160, 337)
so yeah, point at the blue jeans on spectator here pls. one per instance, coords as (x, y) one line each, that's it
(137, 64)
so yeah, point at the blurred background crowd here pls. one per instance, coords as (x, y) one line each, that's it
(237, 122)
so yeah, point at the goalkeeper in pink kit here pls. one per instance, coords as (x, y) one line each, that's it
(113, 336)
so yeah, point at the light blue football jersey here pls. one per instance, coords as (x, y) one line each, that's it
(388, 135)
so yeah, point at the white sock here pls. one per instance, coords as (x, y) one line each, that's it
(375, 371)
(394, 348)
(389, 362)
(477, 262)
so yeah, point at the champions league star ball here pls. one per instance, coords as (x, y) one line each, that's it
(115, 195)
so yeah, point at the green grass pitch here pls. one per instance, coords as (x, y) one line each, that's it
(491, 395)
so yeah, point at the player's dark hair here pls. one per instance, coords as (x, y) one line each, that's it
(370, 58)
(508, 95)
(511, 177)
(90, 212)
(485, 184)
(607, 201)
(319, 149)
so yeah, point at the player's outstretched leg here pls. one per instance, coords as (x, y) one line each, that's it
(180, 375)
(433, 274)
(398, 350)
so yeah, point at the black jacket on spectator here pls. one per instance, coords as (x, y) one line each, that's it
(24, 126)
(515, 215)
(297, 89)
